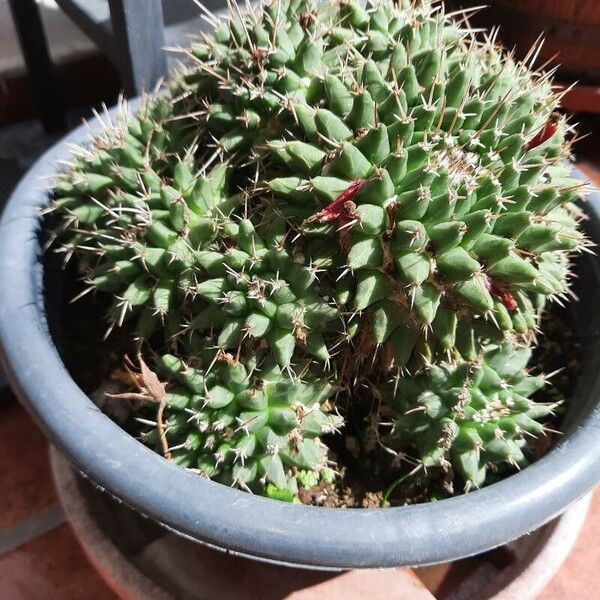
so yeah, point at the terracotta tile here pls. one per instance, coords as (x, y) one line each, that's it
(578, 577)
(51, 567)
(25, 478)
(434, 577)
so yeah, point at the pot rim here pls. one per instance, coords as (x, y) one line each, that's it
(236, 521)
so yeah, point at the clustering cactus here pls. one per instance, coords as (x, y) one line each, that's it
(242, 428)
(334, 202)
(473, 416)
(123, 219)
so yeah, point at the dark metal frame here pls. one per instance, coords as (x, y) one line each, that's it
(133, 38)
(42, 75)
(138, 31)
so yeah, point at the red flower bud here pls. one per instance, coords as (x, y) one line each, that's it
(338, 209)
(545, 133)
(505, 297)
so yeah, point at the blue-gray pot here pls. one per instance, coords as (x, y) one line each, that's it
(234, 520)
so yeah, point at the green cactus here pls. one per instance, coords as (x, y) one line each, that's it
(351, 195)
(251, 429)
(124, 205)
(470, 418)
(457, 213)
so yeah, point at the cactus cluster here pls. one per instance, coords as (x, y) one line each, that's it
(245, 428)
(473, 416)
(332, 203)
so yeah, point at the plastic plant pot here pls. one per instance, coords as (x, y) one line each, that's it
(226, 518)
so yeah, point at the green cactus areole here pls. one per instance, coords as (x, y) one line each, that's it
(332, 197)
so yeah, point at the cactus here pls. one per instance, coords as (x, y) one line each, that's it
(257, 431)
(123, 220)
(420, 170)
(352, 196)
(470, 418)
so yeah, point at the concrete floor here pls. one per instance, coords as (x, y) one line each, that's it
(20, 145)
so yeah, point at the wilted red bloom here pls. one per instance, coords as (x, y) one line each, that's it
(338, 208)
(545, 133)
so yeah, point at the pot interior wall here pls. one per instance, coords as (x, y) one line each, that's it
(586, 319)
